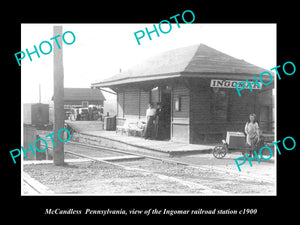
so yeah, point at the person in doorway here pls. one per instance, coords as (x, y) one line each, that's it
(158, 122)
(252, 134)
(150, 117)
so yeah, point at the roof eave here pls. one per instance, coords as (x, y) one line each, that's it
(212, 75)
(136, 79)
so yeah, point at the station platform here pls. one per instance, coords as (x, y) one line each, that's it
(138, 144)
(91, 132)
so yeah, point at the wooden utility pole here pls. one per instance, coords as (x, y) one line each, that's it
(58, 78)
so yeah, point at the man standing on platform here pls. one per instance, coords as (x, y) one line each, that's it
(150, 117)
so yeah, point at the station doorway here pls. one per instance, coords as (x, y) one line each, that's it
(162, 94)
(166, 113)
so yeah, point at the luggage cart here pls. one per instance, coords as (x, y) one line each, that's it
(235, 142)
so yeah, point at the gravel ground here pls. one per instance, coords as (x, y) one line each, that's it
(103, 179)
(231, 183)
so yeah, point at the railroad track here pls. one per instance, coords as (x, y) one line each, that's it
(90, 152)
(202, 168)
(203, 188)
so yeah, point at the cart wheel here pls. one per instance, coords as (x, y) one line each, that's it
(219, 151)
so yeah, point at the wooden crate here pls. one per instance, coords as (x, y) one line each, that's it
(235, 140)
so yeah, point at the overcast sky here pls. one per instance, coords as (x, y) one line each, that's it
(100, 50)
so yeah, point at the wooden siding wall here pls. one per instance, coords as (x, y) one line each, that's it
(200, 109)
(205, 127)
(265, 97)
(131, 102)
(180, 123)
(240, 107)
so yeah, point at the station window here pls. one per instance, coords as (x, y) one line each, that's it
(219, 104)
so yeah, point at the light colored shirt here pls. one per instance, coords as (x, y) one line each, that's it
(251, 128)
(151, 112)
(252, 131)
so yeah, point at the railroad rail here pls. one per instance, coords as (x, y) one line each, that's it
(89, 151)
(205, 189)
(202, 168)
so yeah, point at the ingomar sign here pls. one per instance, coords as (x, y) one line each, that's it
(231, 84)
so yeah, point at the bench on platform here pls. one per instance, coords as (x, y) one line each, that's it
(132, 127)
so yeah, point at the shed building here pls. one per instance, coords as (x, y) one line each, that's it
(82, 97)
(79, 97)
(195, 85)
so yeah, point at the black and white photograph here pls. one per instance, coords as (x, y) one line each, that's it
(149, 111)
(140, 109)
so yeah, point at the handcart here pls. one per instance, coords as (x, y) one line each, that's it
(235, 142)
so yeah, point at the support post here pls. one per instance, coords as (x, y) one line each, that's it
(58, 78)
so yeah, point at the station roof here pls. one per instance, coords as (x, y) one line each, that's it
(192, 61)
(82, 94)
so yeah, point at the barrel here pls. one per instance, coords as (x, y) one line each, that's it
(109, 123)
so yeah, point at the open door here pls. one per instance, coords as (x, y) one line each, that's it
(166, 112)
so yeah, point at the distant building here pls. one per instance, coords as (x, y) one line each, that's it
(80, 97)
(194, 85)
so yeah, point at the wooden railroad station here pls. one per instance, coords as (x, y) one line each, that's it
(195, 110)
